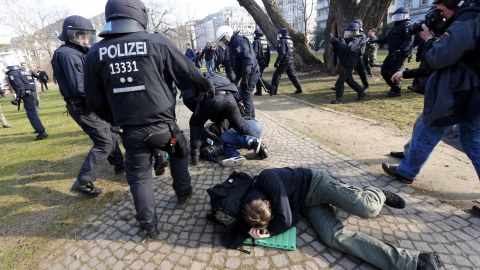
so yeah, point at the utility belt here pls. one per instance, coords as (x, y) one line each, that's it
(78, 104)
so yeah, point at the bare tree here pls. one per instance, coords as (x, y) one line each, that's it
(163, 17)
(342, 12)
(271, 22)
(307, 11)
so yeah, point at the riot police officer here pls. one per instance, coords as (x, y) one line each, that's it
(129, 78)
(67, 63)
(284, 63)
(399, 48)
(262, 53)
(244, 64)
(223, 105)
(348, 52)
(360, 67)
(24, 87)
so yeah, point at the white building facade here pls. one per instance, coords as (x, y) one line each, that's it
(295, 12)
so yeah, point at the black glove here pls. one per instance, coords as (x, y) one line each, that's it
(275, 65)
(244, 83)
(334, 40)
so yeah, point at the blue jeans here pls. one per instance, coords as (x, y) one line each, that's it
(233, 140)
(210, 65)
(424, 140)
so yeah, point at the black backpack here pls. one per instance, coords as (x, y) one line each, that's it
(226, 198)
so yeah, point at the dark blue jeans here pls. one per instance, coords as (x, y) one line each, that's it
(424, 140)
(233, 140)
(140, 143)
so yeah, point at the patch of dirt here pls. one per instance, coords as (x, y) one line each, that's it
(448, 175)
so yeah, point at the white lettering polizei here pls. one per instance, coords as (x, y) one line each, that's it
(123, 49)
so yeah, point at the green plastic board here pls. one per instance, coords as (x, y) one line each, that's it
(286, 240)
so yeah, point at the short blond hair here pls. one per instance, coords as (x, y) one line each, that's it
(257, 213)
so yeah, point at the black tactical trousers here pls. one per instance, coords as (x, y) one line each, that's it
(360, 68)
(29, 103)
(222, 106)
(346, 76)
(289, 68)
(246, 94)
(261, 82)
(229, 73)
(105, 145)
(393, 63)
(140, 143)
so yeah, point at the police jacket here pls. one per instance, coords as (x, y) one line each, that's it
(399, 39)
(242, 56)
(285, 50)
(223, 56)
(129, 78)
(452, 93)
(262, 51)
(21, 80)
(67, 64)
(190, 54)
(286, 192)
(348, 51)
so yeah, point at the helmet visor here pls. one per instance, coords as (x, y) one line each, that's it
(400, 17)
(350, 33)
(83, 37)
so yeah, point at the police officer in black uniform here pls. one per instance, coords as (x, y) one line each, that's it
(348, 52)
(284, 63)
(244, 64)
(24, 87)
(223, 57)
(262, 53)
(223, 105)
(67, 63)
(129, 78)
(360, 68)
(399, 48)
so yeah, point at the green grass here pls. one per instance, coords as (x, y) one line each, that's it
(401, 111)
(35, 179)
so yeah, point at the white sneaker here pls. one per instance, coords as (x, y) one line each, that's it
(233, 161)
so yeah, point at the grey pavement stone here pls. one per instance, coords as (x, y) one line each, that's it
(112, 240)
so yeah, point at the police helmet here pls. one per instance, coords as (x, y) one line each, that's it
(401, 14)
(258, 32)
(352, 30)
(283, 33)
(450, 4)
(78, 31)
(11, 63)
(226, 32)
(125, 16)
(360, 23)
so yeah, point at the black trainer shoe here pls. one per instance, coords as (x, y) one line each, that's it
(183, 200)
(399, 155)
(361, 96)
(394, 94)
(392, 172)
(258, 93)
(476, 209)
(41, 136)
(428, 261)
(151, 232)
(159, 166)
(299, 91)
(119, 168)
(336, 101)
(256, 144)
(412, 87)
(274, 90)
(334, 88)
(85, 188)
(393, 200)
(263, 152)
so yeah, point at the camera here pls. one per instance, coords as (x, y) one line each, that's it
(433, 19)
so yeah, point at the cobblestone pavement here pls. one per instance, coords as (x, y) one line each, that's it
(188, 241)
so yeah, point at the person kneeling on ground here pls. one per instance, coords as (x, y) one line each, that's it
(226, 142)
(223, 105)
(278, 195)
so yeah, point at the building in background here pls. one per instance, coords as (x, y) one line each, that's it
(295, 12)
(236, 17)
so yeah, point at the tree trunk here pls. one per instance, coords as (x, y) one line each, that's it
(371, 12)
(303, 55)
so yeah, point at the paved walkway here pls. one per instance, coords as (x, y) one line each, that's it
(188, 241)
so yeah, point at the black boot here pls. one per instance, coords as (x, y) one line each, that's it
(195, 154)
(160, 163)
(85, 188)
